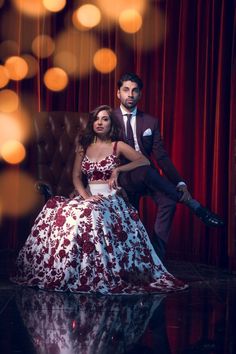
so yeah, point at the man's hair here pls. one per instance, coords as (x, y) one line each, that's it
(130, 77)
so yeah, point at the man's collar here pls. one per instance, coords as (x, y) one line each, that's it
(134, 112)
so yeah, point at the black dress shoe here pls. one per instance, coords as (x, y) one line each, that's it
(209, 218)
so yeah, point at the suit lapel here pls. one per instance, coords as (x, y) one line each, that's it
(119, 115)
(139, 127)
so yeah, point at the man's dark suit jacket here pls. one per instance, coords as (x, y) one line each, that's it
(151, 143)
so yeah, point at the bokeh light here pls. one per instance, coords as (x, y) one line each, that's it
(151, 34)
(78, 49)
(105, 60)
(43, 46)
(10, 128)
(54, 5)
(130, 21)
(21, 30)
(77, 24)
(4, 77)
(15, 126)
(8, 48)
(32, 65)
(88, 15)
(12, 151)
(32, 8)
(17, 191)
(67, 60)
(56, 79)
(113, 9)
(9, 101)
(16, 67)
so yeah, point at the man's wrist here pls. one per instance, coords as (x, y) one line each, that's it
(181, 183)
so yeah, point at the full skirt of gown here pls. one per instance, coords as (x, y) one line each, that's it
(89, 246)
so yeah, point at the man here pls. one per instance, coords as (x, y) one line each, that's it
(141, 131)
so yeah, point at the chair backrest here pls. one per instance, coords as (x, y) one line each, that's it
(55, 134)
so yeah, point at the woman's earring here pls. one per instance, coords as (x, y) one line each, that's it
(95, 139)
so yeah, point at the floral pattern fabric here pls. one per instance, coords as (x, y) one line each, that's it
(69, 323)
(100, 170)
(89, 246)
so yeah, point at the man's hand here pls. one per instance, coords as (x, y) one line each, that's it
(186, 195)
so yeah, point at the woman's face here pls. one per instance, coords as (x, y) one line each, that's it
(102, 124)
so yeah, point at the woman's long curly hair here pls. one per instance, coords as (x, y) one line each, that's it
(87, 136)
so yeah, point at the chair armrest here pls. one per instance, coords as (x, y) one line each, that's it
(45, 189)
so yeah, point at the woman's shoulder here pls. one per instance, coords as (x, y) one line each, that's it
(119, 146)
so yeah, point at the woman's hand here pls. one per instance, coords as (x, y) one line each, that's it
(113, 181)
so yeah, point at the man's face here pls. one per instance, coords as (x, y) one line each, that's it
(129, 95)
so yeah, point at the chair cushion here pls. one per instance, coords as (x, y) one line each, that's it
(55, 134)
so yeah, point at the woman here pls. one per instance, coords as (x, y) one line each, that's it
(94, 242)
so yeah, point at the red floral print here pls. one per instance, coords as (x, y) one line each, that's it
(92, 247)
(60, 221)
(88, 247)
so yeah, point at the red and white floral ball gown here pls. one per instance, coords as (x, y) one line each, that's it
(87, 246)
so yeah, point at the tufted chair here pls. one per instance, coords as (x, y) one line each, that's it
(54, 150)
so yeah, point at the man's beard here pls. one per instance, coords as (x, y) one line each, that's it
(130, 105)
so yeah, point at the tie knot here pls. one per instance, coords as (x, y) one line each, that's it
(129, 116)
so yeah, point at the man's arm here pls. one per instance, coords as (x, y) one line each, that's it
(164, 162)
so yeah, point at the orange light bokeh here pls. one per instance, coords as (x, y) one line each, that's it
(88, 15)
(15, 126)
(18, 194)
(9, 101)
(105, 60)
(43, 46)
(152, 32)
(55, 79)
(130, 21)
(32, 65)
(32, 8)
(81, 46)
(12, 151)
(10, 128)
(4, 77)
(76, 22)
(16, 67)
(54, 5)
(113, 9)
(67, 60)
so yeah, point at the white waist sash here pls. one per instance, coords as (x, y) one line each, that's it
(101, 188)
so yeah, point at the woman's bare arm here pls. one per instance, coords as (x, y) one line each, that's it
(136, 159)
(77, 174)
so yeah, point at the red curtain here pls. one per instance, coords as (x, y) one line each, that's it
(185, 56)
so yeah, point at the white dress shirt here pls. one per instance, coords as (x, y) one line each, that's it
(133, 125)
